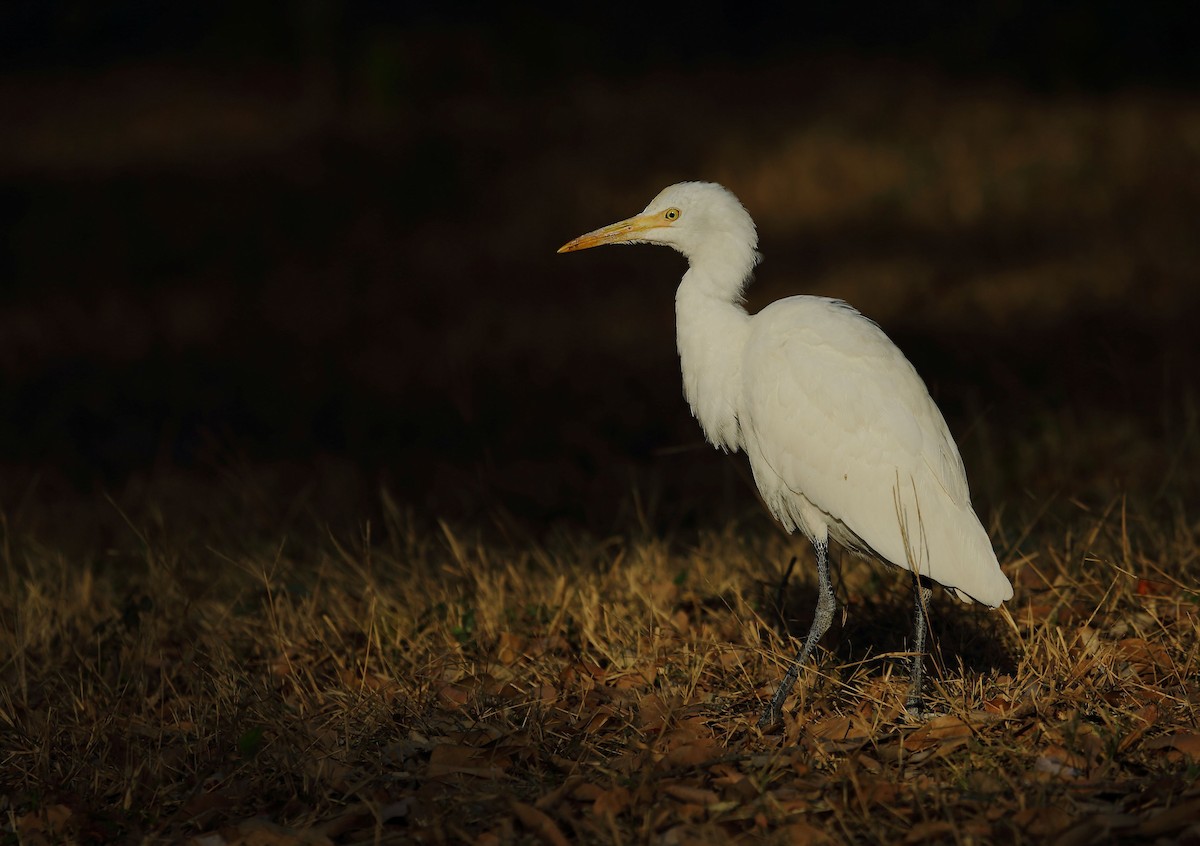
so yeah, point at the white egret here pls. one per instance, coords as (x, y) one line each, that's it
(841, 433)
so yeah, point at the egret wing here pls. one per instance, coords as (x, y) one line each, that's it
(837, 420)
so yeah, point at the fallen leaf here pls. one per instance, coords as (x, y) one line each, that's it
(697, 795)
(51, 820)
(1149, 587)
(587, 792)
(603, 714)
(653, 712)
(539, 823)
(936, 732)
(1146, 659)
(1146, 717)
(930, 830)
(694, 754)
(449, 760)
(397, 810)
(803, 834)
(613, 801)
(548, 800)
(1185, 742)
(1171, 819)
(259, 832)
(1060, 762)
(1095, 829)
(454, 695)
(998, 705)
(833, 728)
(1041, 823)
(214, 839)
(352, 817)
(510, 648)
(203, 802)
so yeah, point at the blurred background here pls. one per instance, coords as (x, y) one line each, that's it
(297, 253)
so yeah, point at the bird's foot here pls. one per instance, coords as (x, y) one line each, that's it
(916, 710)
(770, 716)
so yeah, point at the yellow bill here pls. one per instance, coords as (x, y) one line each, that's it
(617, 233)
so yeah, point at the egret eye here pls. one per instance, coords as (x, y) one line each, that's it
(671, 214)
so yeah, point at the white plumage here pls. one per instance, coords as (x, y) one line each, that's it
(844, 439)
(841, 433)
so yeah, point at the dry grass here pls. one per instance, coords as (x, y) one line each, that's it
(437, 684)
(238, 664)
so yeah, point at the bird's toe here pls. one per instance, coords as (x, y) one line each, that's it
(917, 711)
(770, 716)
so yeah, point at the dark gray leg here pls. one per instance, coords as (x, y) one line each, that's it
(921, 596)
(826, 605)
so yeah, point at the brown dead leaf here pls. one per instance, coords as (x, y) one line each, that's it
(358, 680)
(943, 830)
(586, 792)
(1146, 659)
(737, 789)
(803, 834)
(1172, 819)
(653, 712)
(510, 648)
(1145, 718)
(603, 714)
(697, 795)
(936, 732)
(1182, 743)
(1099, 828)
(998, 705)
(454, 695)
(547, 644)
(878, 791)
(447, 759)
(693, 834)
(1061, 763)
(929, 830)
(694, 754)
(579, 670)
(45, 825)
(539, 823)
(1032, 577)
(662, 593)
(636, 678)
(353, 817)
(984, 783)
(613, 801)
(832, 728)
(949, 747)
(548, 800)
(730, 658)
(260, 832)
(1150, 587)
(204, 802)
(1041, 823)
(836, 732)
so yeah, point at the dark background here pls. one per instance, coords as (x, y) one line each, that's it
(313, 244)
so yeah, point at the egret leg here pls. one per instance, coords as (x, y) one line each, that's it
(922, 593)
(826, 605)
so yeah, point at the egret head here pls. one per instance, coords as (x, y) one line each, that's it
(699, 219)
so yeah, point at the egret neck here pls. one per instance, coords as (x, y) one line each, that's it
(711, 329)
